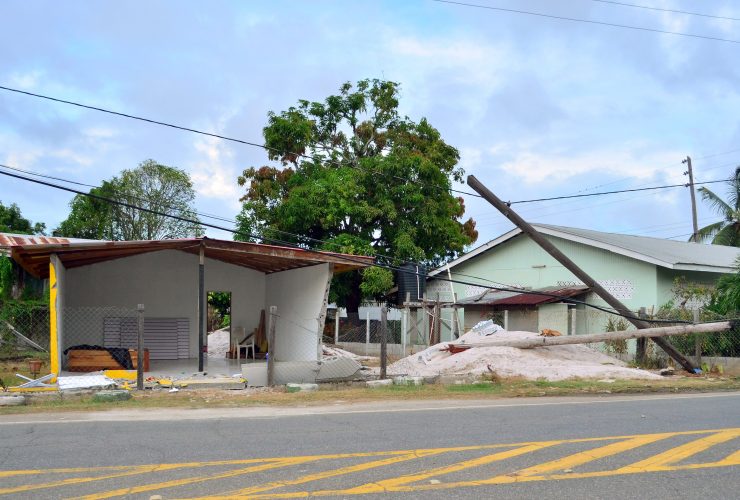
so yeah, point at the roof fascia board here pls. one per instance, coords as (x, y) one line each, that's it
(603, 246)
(705, 268)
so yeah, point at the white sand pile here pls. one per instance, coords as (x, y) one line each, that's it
(218, 343)
(549, 363)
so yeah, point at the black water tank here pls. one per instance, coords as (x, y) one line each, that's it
(411, 280)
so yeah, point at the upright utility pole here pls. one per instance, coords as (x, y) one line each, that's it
(571, 266)
(690, 185)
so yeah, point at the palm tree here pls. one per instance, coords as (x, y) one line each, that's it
(727, 231)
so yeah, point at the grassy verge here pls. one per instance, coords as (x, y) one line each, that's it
(344, 394)
(19, 364)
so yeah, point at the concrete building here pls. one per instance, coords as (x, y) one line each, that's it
(638, 270)
(95, 288)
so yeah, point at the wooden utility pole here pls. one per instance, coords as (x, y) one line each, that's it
(573, 268)
(653, 333)
(690, 185)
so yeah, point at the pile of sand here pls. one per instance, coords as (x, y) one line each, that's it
(218, 343)
(549, 363)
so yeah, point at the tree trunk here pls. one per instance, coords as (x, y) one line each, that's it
(354, 299)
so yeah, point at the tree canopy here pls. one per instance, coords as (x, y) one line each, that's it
(358, 175)
(12, 221)
(727, 231)
(151, 185)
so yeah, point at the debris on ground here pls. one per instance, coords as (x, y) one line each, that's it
(89, 381)
(550, 363)
(328, 351)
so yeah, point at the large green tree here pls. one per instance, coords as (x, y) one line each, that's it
(727, 231)
(12, 221)
(357, 174)
(157, 187)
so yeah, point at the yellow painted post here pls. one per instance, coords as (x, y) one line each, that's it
(53, 333)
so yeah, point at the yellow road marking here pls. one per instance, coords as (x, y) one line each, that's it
(335, 472)
(381, 486)
(590, 455)
(661, 462)
(683, 452)
(191, 480)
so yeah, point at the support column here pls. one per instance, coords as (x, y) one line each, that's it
(56, 314)
(202, 346)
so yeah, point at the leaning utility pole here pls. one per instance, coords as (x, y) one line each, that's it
(571, 266)
(690, 185)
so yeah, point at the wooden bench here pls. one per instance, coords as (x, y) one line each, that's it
(84, 360)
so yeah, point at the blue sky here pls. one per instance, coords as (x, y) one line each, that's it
(537, 107)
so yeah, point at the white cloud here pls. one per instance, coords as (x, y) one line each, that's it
(534, 168)
(25, 80)
(214, 175)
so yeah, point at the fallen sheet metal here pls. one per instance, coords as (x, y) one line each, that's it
(85, 382)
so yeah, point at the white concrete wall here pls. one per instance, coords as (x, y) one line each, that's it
(298, 295)
(166, 282)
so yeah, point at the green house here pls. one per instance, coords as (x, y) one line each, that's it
(638, 270)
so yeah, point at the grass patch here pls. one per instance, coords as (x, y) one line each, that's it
(337, 394)
(19, 364)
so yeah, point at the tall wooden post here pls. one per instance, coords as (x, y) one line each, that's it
(271, 346)
(573, 268)
(140, 355)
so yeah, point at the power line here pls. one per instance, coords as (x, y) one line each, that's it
(93, 186)
(224, 138)
(310, 250)
(268, 148)
(585, 195)
(660, 9)
(589, 21)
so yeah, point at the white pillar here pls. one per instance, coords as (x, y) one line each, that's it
(367, 333)
(404, 324)
(336, 327)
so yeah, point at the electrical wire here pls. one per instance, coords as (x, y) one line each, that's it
(588, 21)
(344, 257)
(660, 9)
(230, 139)
(334, 162)
(586, 195)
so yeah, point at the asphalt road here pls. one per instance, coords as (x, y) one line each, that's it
(682, 446)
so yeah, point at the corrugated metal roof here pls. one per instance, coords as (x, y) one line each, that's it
(667, 253)
(525, 298)
(8, 240)
(34, 257)
(671, 254)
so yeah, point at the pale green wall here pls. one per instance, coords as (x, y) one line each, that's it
(666, 278)
(512, 263)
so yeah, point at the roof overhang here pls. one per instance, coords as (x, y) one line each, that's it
(35, 258)
(547, 295)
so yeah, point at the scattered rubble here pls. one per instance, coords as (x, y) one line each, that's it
(549, 363)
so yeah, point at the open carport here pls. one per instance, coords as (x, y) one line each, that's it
(95, 288)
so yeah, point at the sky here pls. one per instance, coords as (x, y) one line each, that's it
(538, 107)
